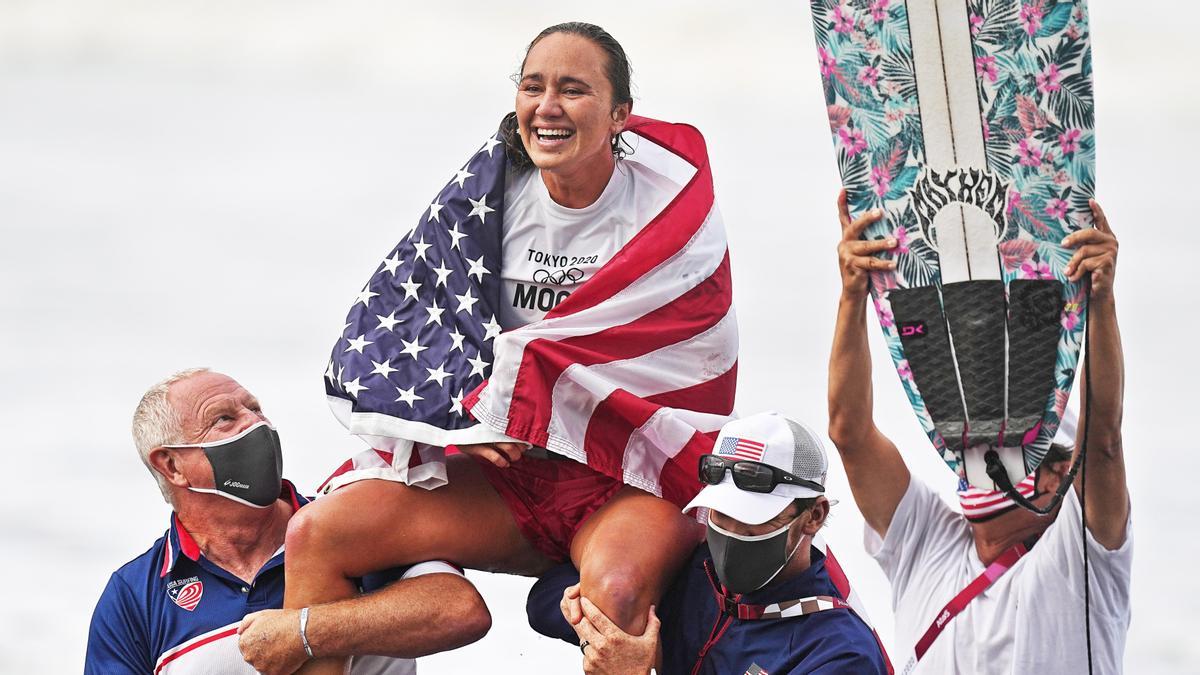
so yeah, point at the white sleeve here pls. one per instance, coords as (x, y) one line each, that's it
(1058, 558)
(926, 537)
(432, 567)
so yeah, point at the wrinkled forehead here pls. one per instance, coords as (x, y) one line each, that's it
(207, 394)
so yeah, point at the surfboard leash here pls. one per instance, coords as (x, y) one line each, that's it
(1087, 422)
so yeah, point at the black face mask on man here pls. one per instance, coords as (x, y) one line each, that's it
(247, 468)
(746, 563)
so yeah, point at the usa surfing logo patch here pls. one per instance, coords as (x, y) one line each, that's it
(186, 592)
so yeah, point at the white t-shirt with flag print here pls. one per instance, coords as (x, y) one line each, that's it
(1031, 620)
(550, 249)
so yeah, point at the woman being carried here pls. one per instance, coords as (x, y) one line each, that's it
(610, 278)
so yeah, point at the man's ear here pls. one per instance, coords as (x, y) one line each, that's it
(818, 512)
(166, 463)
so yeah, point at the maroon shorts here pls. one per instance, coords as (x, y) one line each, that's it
(550, 499)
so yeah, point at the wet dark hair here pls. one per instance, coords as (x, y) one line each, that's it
(617, 70)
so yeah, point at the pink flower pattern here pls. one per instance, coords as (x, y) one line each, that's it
(879, 10)
(901, 236)
(1047, 80)
(1056, 208)
(880, 180)
(1068, 141)
(843, 19)
(1035, 269)
(828, 62)
(1031, 17)
(1029, 153)
(985, 66)
(976, 23)
(868, 75)
(852, 140)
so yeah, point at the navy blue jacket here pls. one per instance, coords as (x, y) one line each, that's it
(696, 630)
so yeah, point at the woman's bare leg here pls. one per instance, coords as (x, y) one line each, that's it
(374, 525)
(628, 552)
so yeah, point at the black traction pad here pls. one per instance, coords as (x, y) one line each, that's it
(975, 312)
(922, 327)
(1034, 311)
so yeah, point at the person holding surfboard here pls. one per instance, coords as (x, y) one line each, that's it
(1005, 593)
(562, 317)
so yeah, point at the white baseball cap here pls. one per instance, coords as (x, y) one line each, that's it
(769, 438)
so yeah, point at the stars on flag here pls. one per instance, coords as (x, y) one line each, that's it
(421, 247)
(455, 235)
(438, 374)
(408, 396)
(412, 348)
(434, 208)
(353, 387)
(461, 177)
(466, 302)
(383, 369)
(489, 144)
(480, 208)
(391, 263)
(358, 343)
(364, 296)
(415, 324)
(477, 268)
(435, 314)
(388, 322)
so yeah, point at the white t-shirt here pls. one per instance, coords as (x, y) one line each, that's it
(549, 249)
(1031, 620)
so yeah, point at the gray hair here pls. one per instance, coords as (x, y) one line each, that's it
(156, 423)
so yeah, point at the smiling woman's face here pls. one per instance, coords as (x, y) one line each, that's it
(564, 106)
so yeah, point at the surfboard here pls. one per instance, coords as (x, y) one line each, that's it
(970, 123)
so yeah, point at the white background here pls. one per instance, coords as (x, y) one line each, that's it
(209, 183)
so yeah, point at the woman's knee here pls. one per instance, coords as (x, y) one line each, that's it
(310, 532)
(623, 594)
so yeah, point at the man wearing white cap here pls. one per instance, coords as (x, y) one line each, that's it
(759, 597)
(996, 588)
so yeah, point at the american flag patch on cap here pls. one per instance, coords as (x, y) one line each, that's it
(756, 669)
(741, 448)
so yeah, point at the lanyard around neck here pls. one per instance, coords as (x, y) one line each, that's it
(778, 610)
(952, 609)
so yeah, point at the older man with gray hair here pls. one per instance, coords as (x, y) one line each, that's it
(205, 597)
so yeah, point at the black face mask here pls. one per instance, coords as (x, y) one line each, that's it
(747, 563)
(247, 468)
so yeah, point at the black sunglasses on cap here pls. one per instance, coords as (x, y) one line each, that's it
(750, 476)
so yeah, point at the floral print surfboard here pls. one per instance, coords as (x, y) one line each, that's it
(970, 123)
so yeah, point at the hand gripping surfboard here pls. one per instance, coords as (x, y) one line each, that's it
(970, 123)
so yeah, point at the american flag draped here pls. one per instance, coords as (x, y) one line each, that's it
(633, 374)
